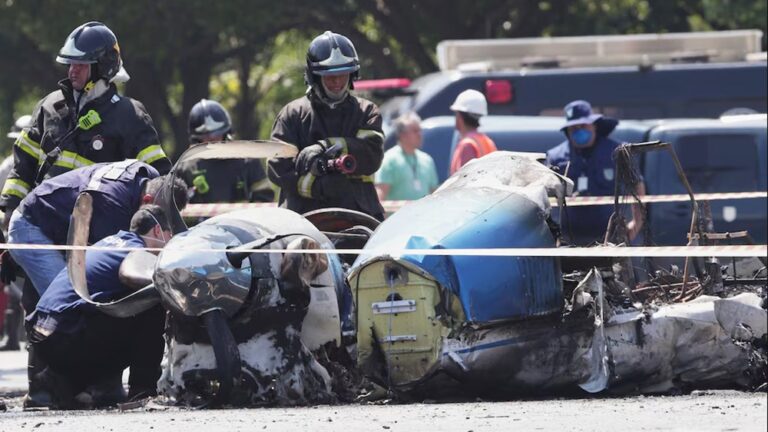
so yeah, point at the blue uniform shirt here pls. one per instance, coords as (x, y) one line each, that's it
(116, 189)
(61, 309)
(593, 173)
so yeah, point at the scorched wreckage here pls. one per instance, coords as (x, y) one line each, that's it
(251, 327)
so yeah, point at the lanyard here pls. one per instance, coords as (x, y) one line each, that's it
(414, 166)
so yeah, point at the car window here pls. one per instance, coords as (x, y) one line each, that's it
(716, 163)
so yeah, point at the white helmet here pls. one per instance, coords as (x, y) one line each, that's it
(471, 102)
(21, 123)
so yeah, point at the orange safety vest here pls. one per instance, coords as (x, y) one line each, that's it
(481, 143)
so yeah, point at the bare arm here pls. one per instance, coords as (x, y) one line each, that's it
(382, 190)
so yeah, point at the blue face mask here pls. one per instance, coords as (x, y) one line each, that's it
(581, 137)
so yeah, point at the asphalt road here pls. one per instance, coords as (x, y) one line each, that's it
(699, 411)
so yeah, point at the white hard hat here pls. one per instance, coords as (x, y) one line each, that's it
(471, 102)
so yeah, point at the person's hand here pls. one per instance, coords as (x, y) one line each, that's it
(307, 159)
(7, 268)
(7, 219)
(633, 229)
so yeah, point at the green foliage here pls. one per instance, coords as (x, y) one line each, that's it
(249, 54)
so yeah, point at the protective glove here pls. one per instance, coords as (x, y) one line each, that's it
(7, 268)
(308, 158)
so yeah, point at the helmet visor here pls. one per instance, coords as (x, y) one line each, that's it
(70, 54)
(324, 51)
(67, 60)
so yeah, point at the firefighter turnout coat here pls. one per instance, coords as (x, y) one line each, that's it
(108, 127)
(355, 124)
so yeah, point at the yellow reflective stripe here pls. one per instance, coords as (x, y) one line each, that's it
(72, 160)
(30, 146)
(367, 133)
(338, 140)
(259, 185)
(151, 154)
(362, 178)
(16, 187)
(305, 185)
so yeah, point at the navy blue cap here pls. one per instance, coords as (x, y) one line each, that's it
(579, 112)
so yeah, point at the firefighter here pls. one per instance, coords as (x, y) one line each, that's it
(85, 121)
(326, 123)
(221, 180)
(469, 106)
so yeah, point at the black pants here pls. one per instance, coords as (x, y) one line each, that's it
(105, 347)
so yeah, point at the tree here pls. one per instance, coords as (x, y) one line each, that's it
(250, 54)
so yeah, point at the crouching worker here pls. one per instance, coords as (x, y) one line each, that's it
(83, 346)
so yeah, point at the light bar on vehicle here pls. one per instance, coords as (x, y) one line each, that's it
(601, 50)
(382, 84)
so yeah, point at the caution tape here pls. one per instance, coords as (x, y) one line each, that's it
(209, 210)
(605, 200)
(740, 251)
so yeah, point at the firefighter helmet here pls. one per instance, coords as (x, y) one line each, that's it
(94, 43)
(208, 121)
(330, 54)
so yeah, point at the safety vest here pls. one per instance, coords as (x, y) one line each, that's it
(479, 141)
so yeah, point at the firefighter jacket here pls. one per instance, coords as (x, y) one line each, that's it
(107, 128)
(226, 180)
(355, 124)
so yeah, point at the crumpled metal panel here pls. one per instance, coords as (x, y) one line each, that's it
(194, 283)
(484, 207)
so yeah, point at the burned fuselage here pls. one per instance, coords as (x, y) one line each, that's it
(504, 324)
(243, 321)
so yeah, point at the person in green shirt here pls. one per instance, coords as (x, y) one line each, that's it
(406, 172)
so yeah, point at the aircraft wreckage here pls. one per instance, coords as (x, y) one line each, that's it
(252, 328)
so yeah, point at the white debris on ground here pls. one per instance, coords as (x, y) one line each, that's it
(274, 376)
(704, 343)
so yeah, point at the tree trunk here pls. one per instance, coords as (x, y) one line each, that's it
(247, 123)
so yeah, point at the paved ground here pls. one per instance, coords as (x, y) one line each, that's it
(700, 411)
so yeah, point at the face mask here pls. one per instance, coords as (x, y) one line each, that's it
(581, 137)
(162, 233)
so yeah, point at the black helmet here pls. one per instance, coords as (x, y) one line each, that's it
(330, 54)
(93, 43)
(208, 120)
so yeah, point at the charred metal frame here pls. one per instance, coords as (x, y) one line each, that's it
(649, 146)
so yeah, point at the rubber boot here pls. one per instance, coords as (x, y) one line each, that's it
(39, 395)
(107, 392)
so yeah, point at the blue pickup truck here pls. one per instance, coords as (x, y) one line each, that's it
(718, 155)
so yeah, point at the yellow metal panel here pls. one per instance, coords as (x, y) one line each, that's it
(407, 329)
